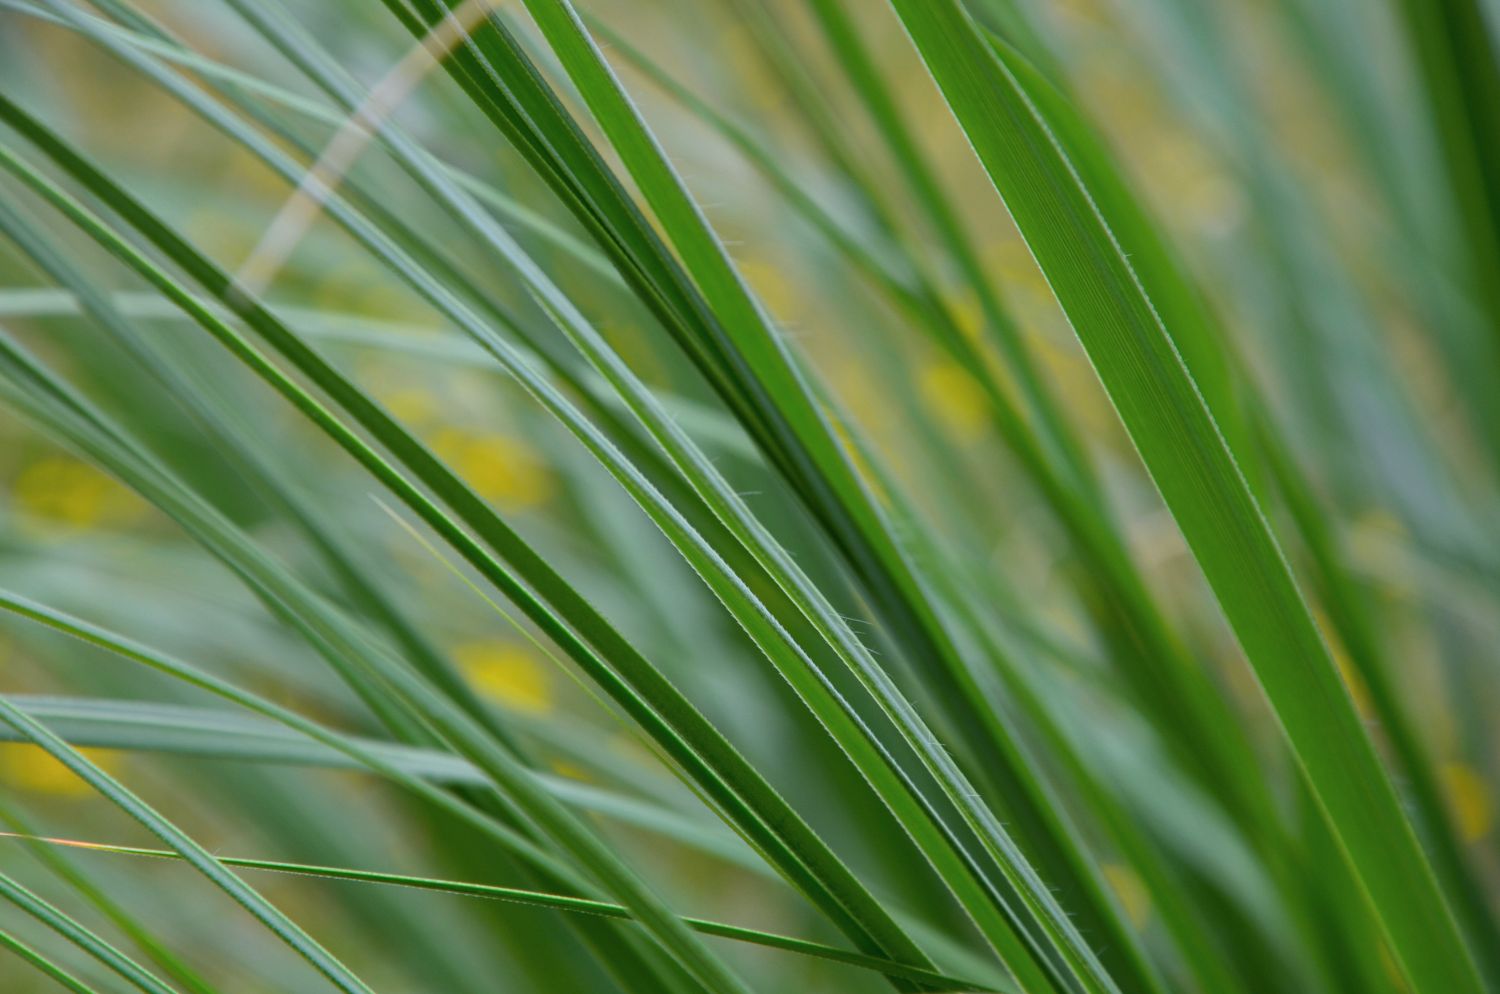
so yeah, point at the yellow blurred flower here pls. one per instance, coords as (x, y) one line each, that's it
(1016, 266)
(1392, 969)
(1200, 189)
(859, 396)
(1471, 798)
(220, 233)
(69, 492)
(389, 300)
(630, 747)
(355, 285)
(413, 405)
(571, 771)
(500, 468)
(857, 457)
(745, 65)
(967, 315)
(25, 767)
(958, 401)
(341, 282)
(507, 672)
(779, 294)
(1129, 891)
(1352, 679)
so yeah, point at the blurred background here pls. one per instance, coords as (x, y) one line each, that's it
(1291, 155)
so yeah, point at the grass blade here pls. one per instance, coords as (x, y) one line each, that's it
(1197, 476)
(559, 902)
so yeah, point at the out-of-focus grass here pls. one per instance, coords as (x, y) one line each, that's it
(973, 493)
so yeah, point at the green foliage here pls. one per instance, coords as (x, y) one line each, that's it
(751, 495)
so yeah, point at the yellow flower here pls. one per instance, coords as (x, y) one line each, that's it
(776, 292)
(1392, 969)
(340, 283)
(571, 771)
(1130, 891)
(388, 300)
(1016, 266)
(26, 767)
(507, 672)
(630, 747)
(959, 402)
(967, 316)
(857, 457)
(221, 233)
(1200, 188)
(743, 62)
(413, 405)
(859, 396)
(1471, 798)
(500, 468)
(1352, 679)
(69, 492)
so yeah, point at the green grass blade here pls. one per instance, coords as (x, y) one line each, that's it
(1187, 457)
(476, 514)
(45, 965)
(284, 928)
(81, 936)
(210, 733)
(358, 753)
(154, 949)
(281, 592)
(559, 902)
